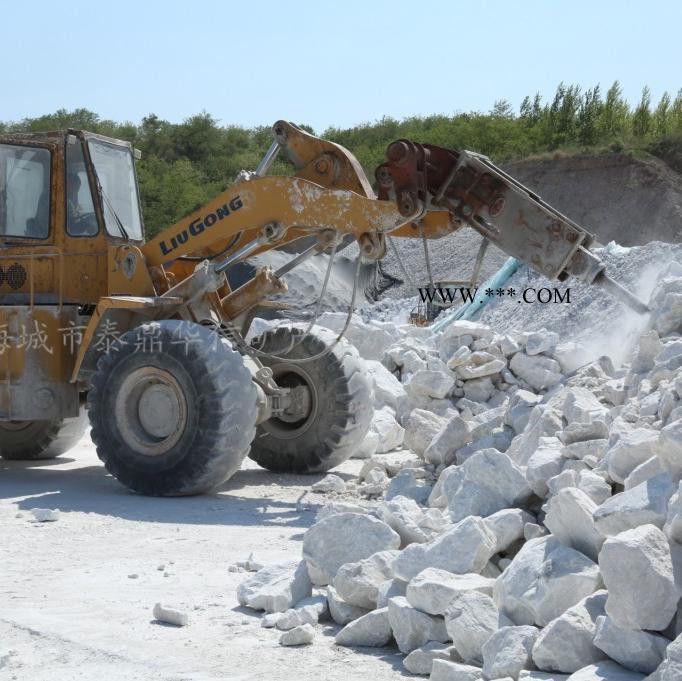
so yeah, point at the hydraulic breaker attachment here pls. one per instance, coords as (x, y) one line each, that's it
(422, 178)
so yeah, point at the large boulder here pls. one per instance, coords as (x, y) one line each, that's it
(388, 430)
(467, 547)
(444, 670)
(639, 651)
(344, 538)
(430, 383)
(508, 651)
(421, 427)
(485, 483)
(637, 569)
(358, 583)
(471, 619)
(519, 407)
(671, 668)
(275, 588)
(420, 660)
(451, 437)
(646, 503)
(545, 578)
(633, 448)
(507, 525)
(546, 462)
(388, 390)
(566, 643)
(372, 630)
(432, 590)
(606, 670)
(670, 448)
(412, 628)
(341, 612)
(569, 517)
(538, 372)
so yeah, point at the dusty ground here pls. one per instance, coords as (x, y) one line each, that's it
(76, 595)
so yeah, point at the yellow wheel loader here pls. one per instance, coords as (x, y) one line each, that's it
(149, 336)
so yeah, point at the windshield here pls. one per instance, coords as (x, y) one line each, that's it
(116, 173)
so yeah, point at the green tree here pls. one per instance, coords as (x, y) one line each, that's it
(641, 118)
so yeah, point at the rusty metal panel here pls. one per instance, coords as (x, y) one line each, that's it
(38, 346)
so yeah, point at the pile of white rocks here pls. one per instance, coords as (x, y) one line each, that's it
(518, 517)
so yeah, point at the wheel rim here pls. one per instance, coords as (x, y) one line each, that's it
(151, 411)
(291, 425)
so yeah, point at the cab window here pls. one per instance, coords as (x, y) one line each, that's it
(81, 219)
(24, 191)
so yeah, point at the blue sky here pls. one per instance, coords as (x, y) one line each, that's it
(325, 63)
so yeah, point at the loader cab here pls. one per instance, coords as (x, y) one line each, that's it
(65, 199)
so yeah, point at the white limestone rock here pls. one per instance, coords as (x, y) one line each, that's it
(390, 589)
(606, 670)
(538, 372)
(566, 643)
(428, 383)
(519, 407)
(632, 449)
(581, 406)
(546, 462)
(467, 547)
(451, 437)
(411, 521)
(647, 503)
(671, 668)
(479, 365)
(275, 588)
(432, 590)
(410, 483)
(387, 388)
(471, 619)
(420, 660)
(569, 517)
(639, 651)
(479, 389)
(390, 432)
(330, 483)
(527, 675)
(443, 670)
(508, 651)
(167, 615)
(673, 522)
(45, 515)
(670, 448)
(298, 636)
(541, 341)
(358, 583)
(591, 483)
(422, 426)
(649, 469)
(583, 448)
(637, 569)
(508, 526)
(341, 612)
(412, 628)
(485, 483)
(368, 446)
(544, 579)
(371, 630)
(344, 538)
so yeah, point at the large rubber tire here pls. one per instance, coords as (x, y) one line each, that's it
(35, 440)
(172, 408)
(341, 407)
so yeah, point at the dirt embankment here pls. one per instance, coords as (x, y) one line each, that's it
(617, 197)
